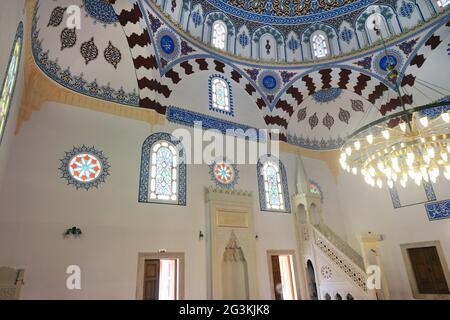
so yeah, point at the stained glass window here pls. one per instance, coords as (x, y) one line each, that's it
(220, 94)
(272, 186)
(320, 46)
(219, 35)
(8, 85)
(164, 172)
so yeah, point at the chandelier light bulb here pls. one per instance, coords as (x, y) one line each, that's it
(372, 171)
(379, 183)
(403, 127)
(444, 156)
(357, 145)
(386, 134)
(424, 121)
(394, 177)
(403, 183)
(388, 172)
(424, 173)
(431, 152)
(380, 166)
(348, 151)
(355, 171)
(446, 117)
(418, 181)
(395, 165)
(390, 184)
(447, 175)
(426, 158)
(370, 138)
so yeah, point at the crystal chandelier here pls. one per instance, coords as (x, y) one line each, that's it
(411, 145)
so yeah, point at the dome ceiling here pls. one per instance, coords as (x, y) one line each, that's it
(285, 12)
(314, 106)
(283, 31)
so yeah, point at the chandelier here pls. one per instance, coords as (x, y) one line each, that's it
(411, 145)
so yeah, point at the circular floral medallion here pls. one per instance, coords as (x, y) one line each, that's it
(224, 174)
(84, 167)
(386, 59)
(101, 10)
(269, 81)
(168, 44)
(326, 272)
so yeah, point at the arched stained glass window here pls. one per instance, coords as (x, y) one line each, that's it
(272, 186)
(219, 35)
(272, 183)
(163, 170)
(10, 80)
(319, 46)
(220, 95)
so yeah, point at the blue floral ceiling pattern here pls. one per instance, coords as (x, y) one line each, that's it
(288, 11)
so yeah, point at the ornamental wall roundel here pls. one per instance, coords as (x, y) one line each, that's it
(224, 173)
(84, 167)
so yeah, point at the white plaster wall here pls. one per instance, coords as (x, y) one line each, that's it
(37, 206)
(10, 16)
(370, 209)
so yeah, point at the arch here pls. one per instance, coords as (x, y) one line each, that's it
(327, 296)
(386, 12)
(205, 63)
(272, 185)
(293, 48)
(163, 170)
(219, 35)
(220, 95)
(219, 17)
(314, 215)
(302, 215)
(328, 32)
(260, 43)
(311, 279)
(9, 82)
(320, 45)
(349, 297)
(337, 296)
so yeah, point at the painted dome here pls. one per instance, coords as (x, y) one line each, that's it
(284, 12)
(296, 31)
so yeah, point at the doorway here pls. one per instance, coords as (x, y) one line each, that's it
(283, 275)
(160, 277)
(427, 270)
(312, 286)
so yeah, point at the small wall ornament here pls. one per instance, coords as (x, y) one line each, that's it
(225, 174)
(84, 167)
(74, 231)
(326, 272)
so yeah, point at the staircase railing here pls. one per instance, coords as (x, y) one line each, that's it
(340, 244)
(340, 258)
